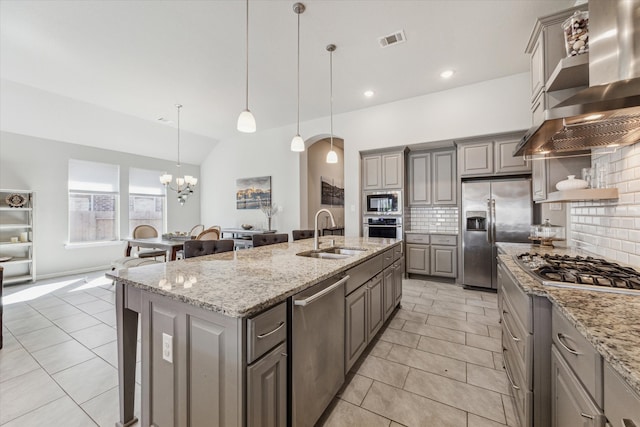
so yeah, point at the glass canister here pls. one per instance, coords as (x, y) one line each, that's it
(576, 33)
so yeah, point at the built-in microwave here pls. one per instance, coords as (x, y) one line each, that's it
(383, 202)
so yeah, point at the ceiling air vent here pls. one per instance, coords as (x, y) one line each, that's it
(391, 39)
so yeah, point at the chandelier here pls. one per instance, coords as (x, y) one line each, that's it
(184, 185)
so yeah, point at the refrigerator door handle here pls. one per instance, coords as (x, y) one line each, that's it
(489, 221)
(492, 212)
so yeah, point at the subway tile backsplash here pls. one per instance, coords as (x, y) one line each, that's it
(433, 219)
(611, 228)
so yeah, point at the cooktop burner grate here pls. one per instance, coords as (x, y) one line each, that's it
(580, 272)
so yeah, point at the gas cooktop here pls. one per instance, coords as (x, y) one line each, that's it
(580, 272)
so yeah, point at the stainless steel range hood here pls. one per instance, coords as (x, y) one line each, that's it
(608, 112)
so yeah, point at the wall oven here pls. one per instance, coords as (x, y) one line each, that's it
(382, 203)
(386, 227)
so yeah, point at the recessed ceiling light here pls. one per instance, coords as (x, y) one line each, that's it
(447, 73)
(368, 93)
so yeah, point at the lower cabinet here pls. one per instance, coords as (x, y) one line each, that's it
(375, 306)
(444, 261)
(389, 286)
(267, 390)
(356, 325)
(418, 259)
(439, 258)
(398, 272)
(570, 403)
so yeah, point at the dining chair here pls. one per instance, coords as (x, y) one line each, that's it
(269, 239)
(197, 229)
(301, 234)
(145, 231)
(195, 248)
(209, 234)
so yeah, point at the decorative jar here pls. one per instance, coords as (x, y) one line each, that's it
(571, 183)
(576, 33)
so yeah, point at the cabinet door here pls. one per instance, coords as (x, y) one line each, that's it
(392, 170)
(420, 179)
(388, 285)
(537, 68)
(399, 274)
(418, 259)
(476, 159)
(267, 390)
(539, 179)
(372, 172)
(570, 403)
(444, 261)
(375, 306)
(356, 325)
(444, 178)
(505, 162)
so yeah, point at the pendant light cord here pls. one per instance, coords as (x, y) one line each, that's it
(247, 53)
(331, 93)
(298, 128)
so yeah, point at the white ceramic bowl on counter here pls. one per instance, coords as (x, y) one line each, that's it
(571, 183)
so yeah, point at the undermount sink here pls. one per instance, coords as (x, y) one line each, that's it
(334, 252)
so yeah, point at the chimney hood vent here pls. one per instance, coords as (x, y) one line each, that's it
(608, 112)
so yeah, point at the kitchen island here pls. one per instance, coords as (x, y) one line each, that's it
(609, 324)
(197, 320)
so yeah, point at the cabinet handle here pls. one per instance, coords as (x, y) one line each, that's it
(582, 414)
(284, 354)
(506, 370)
(272, 332)
(561, 336)
(506, 326)
(626, 422)
(312, 298)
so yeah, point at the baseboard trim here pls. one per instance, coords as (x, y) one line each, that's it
(72, 272)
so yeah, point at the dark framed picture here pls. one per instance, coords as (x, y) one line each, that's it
(331, 191)
(251, 192)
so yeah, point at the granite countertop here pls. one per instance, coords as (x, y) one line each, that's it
(611, 322)
(244, 282)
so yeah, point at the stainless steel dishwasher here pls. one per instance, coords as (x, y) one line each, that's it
(316, 349)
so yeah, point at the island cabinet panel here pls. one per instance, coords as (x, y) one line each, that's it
(267, 390)
(398, 271)
(198, 382)
(375, 306)
(389, 288)
(418, 258)
(356, 325)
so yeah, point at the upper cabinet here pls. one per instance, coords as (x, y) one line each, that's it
(491, 156)
(554, 76)
(383, 171)
(432, 178)
(548, 172)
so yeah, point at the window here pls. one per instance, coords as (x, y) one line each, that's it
(146, 199)
(93, 201)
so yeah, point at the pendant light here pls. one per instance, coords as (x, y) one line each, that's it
(332, 156)
(297, 143)
(246, 121)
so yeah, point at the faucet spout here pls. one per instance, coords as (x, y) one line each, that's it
(316, 244)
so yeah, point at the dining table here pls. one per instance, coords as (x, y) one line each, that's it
(243, 237)
(170, 245)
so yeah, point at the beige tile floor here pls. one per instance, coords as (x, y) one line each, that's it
(436, 363)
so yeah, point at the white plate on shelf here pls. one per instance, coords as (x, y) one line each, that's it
(5, 258)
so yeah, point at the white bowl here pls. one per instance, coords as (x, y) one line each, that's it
(571, 183)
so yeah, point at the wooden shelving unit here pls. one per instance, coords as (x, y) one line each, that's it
(580, 195)
(14, 223)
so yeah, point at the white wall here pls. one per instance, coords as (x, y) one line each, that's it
(30, 163)
(493, 106)
(318, 167)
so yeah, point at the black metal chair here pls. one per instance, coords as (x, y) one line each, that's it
(302, 234)
(194, 248)
(269, 239)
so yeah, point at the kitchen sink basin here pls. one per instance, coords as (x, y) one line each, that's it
(334, 252)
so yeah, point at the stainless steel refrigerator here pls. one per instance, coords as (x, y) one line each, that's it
(498, 210)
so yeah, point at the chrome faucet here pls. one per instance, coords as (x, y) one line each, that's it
(316, 244)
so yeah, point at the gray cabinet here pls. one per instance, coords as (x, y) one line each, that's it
(356, 325)
(571, 405)
(383, 171)
(398, 271)
(417, 258)
(375, 306)
(389, 289)
(432, 178)
(267, 390)
(621, 403)
(444, 261)
(546, 173)
(491, 156)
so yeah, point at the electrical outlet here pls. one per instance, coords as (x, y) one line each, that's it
(167, 347)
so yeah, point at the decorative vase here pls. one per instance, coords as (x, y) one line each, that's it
(571, 183)
(269, 223)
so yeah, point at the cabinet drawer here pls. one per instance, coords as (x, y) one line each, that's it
(521, 303)
(580, 355)
(387, 258)
(265, 331)
(519, 340)
(417, 238)
(441, 239)
(521, 395)
(620, 401)
(397, 252)
(361, 273)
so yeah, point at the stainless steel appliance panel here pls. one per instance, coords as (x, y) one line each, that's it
(317, 355)
(513, 210)
(476, 245)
